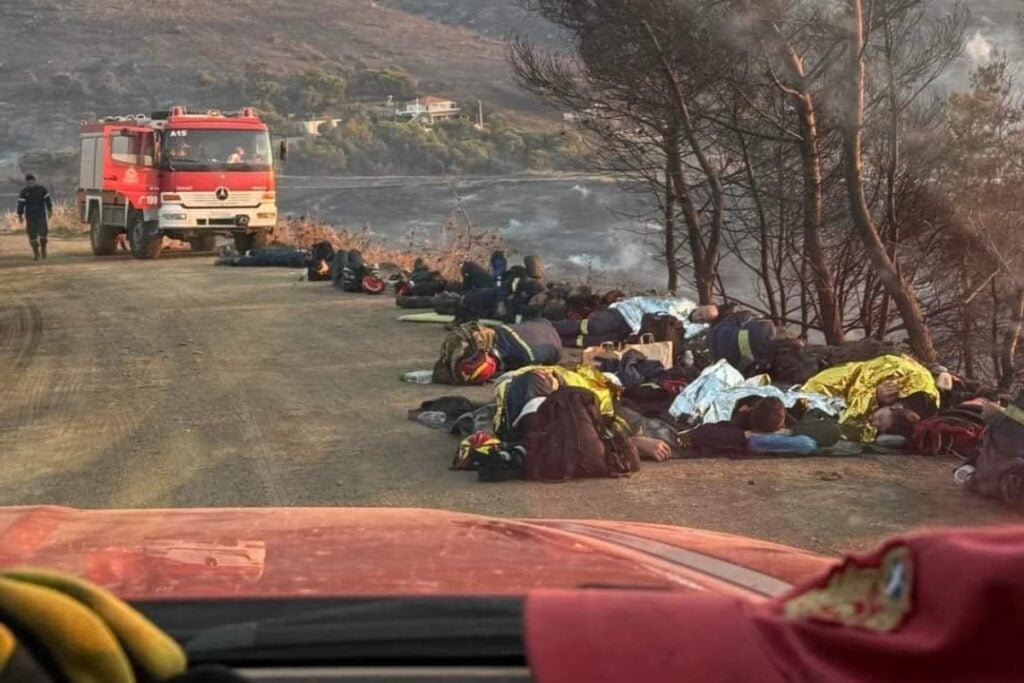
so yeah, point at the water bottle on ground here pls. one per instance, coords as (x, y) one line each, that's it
(419, 377)
(434, 419)
(963, 475)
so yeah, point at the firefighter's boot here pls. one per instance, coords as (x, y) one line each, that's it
(35, 249)
(42, 247)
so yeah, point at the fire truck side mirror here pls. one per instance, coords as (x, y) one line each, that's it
(283, 150)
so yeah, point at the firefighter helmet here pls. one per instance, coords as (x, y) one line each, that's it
(477, 369)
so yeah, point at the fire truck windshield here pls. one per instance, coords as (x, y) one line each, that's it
(216, 150)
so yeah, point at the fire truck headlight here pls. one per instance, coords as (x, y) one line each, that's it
(266, 216)
(174, 216)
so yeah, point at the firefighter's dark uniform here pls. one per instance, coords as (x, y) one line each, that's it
(35, 206)
(599, 328)
(531, 343)
(517, 292)
(741, 339)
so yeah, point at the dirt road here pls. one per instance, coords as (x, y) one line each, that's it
(173, 383)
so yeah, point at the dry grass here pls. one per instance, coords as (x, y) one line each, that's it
(65, 221)
(444, 252)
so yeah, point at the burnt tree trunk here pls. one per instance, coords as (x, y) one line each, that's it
(702, 280)
(814, 250)
(966, 325)
(829, 313)
(764, 238)
(1011, 337)
(852, 129)
(997, 359)
(706, 267)
(670, 238)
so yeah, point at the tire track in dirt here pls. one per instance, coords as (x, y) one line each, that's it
(21, 333)
(58, 414)
(200, 432)
(218, 346)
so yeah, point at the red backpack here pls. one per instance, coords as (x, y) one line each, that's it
(950, 433)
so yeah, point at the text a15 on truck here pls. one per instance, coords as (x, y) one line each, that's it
(180, 175)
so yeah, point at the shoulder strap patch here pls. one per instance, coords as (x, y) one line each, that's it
(876, 598)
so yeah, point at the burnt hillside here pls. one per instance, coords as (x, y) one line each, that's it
(64, 60)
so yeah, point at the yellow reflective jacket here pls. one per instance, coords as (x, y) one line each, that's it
(584, 376)
(856, 383)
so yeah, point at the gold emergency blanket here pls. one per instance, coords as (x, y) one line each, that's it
(856, 383)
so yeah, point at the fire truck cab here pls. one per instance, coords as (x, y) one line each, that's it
(180, 175)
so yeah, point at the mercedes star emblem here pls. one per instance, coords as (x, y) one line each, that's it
(222, 193)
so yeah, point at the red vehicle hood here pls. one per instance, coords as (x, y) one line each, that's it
(337, 552)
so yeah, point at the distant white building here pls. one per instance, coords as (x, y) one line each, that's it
(584, 119)
(428, 109)
(311, 127)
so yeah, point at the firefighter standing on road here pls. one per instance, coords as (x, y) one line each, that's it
(35, 208)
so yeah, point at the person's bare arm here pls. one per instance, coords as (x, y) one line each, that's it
(991, 411)
(654, 450)
(887, 393)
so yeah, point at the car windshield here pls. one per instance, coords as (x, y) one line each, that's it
(356, 300)
(216, 150)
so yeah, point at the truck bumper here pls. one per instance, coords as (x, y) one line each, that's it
(172, 217)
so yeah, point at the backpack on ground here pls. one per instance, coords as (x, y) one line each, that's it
(462, 341)
(952, 432)
(338, 268)
(353, 272)
(320, 268)
(322, 251)
(715, 440)
(570, 439)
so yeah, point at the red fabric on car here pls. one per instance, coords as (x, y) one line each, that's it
(940, 606)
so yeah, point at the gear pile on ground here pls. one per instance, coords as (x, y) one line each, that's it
(654, 378)
(589, 384)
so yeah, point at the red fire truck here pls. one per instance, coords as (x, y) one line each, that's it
(187, 176)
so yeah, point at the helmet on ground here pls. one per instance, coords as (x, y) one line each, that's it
(477, 369)
(474, 449)
(374, 285)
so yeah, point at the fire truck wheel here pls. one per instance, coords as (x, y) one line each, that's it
(203, 242)
(147, 241)
(103, 238)
(247, 241)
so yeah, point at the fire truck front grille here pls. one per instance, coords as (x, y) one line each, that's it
(218, 222)
(208, 200)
